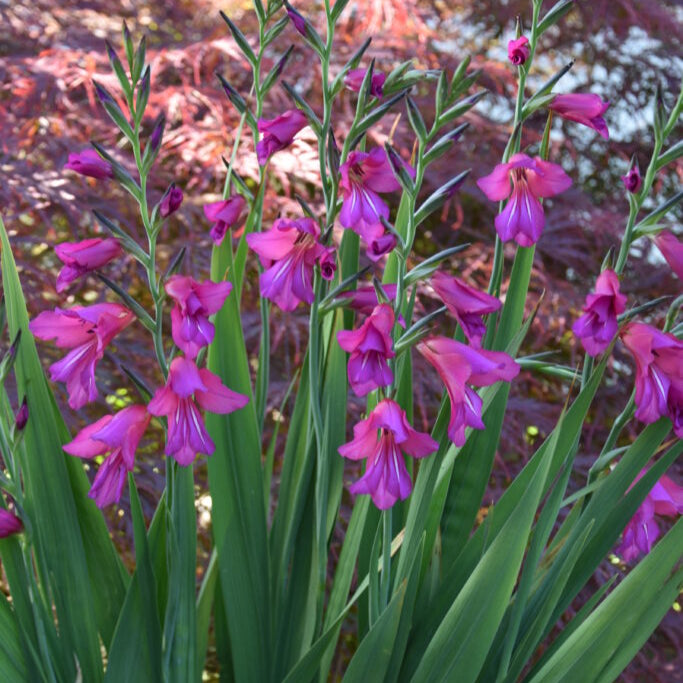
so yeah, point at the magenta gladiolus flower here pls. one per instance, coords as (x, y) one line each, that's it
(640, 534)
(672, 250)
(522, 219)
(459, 365)
(224, 215)
(354, 80)
(659, 374)
(195, 302)
(119, 436)
(584, 108)
(89, 163)
(632, 180)
(187, 390)
(519, 50)
(171, 201)
(288, 252)
(86, 330)
(386, 478)
(467, 304)
(9, 523)
(370, 347)
(363, 177)
(82, 257)
(598, 325)
(278, 133)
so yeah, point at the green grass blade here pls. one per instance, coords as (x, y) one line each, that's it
(52, 508)
(619, 619)
(236, 486)
(462, 641)
(135, 654)
(12, 661)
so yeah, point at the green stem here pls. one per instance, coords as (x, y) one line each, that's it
(386, 558)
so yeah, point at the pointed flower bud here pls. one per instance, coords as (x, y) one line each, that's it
(22, 416)
(632, 180)
(89, 163)
(171, 201)
(672, 250)
(584, 108)
(9, 523)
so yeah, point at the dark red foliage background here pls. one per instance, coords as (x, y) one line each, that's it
(51, 50)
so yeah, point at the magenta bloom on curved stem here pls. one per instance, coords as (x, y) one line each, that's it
(598, 326)
(119, 436)
(524, 180)
(224, 215)
(659, 374)
(195, 302)
(89, 163)
(354, 80)
(288, 252)
(640, 534)
(187, 390)
(467, 304)
(278, 133)
(9, 523)
(672, 250)
(519, 50)
(364, 176)
(83, 257)
(459, 365)
(86, 330)
(584, 108)
(386, 478)
(370, 347)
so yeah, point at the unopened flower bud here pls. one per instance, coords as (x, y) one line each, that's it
(171, 201)
(297, 19)
(379, 246)
(22, 416)
(157, 133)
(103, 94)
(632, 180)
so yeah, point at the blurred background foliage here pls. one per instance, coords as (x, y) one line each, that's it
(51, 50)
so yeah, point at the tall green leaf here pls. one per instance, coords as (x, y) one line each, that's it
(235, 482)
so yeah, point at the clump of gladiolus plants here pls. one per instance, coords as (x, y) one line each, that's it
(430, 589)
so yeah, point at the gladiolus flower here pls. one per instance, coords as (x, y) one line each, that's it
(459, 365)
(363, 177)
(584, 108)
(83, 257)
(519, 50)
(632, 180)
(86, 330)
(467, 304)
(659, 374)
(598, 325)
(296, 19)
(640, 534)
(370, 347)
(9, 523)
(278, 133)
(187, 388)
(386, 478)
(118, 436)
(224, 215)
(354, 80)
(195, 302)
(672, 251)
(89, 163)
(171, 201)
(288, 252)
(523, 219)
